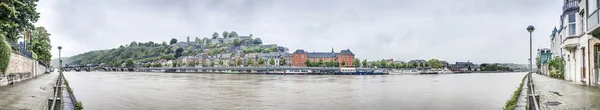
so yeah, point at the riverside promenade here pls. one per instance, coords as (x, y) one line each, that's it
(31, 94)
(556, 94)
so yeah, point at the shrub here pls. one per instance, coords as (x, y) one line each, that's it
(79, 106)
(4, 54)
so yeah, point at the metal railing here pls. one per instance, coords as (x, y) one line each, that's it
(57, 88)
(532, 100)
(572, 4)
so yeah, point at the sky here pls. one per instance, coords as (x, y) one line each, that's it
(480, 31)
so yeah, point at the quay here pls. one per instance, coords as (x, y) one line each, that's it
(278, 70)
(557, 94)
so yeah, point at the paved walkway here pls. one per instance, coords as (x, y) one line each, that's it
(31, 94)
(569, 96)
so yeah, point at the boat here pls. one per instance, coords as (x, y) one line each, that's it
(297, 71)
(395, 72)
(412, 71)
(354, 71)
(428, 72)
(445, 71)
(231, 72)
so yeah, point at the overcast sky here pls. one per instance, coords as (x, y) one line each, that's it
(452, 30)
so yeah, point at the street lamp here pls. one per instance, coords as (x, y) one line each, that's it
(530, 29)
(59, 60)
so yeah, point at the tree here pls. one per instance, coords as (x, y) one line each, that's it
(320, 62)
(173, 41)
(283, 62)
(261, 61)
(133, 44)
(393, 65)
(343, 63)
(415, 64)
(435, 63)
(233, 34)
(538, 63)
(308, 63)
(237, 42)
(239, 62)
(212, 63)
(272, 62)
(383, 63)
(221, 62)
(129, 63)
(164, 43)
(257, 41)
(364, 62)
(250, 62)
(225, 34)
(40, 44)
(356, 62)
(374, 63)
(215, 35)
(16, 17)
(204, 64)
(174, 63)
(5, 53)
(198, 41)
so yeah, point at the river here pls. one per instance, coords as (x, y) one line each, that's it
(170, 91)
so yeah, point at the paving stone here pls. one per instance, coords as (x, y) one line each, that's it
(556, 94)
(31, 94)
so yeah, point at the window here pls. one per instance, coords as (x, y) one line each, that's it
(572, 27)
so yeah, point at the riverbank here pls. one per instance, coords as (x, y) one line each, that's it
(511, 103)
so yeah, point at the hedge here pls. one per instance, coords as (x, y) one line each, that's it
(4, 55)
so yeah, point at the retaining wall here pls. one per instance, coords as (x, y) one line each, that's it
(21, 68)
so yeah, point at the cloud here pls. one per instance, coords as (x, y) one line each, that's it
(451, 30)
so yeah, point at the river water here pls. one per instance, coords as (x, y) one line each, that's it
(170, 91)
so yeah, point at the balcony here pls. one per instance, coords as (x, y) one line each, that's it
(571, 42)
(592, 23)
(571, 5)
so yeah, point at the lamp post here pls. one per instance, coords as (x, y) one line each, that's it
(59, 60)
(530, 29)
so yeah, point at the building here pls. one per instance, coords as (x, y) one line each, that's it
(419, 62)
(584, 45)
(344, 57)
(464, 66)
(545, 55)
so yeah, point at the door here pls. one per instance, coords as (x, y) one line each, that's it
(597, 62)
(583, 77)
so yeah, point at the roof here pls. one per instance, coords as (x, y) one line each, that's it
(321, 55)
(347, 51)
(299, 51)
(418, 61)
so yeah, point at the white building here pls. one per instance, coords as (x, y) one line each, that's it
(578, 36)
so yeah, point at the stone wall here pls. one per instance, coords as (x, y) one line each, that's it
(21, 68)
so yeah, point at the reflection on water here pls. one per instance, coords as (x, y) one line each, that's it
(103, 90)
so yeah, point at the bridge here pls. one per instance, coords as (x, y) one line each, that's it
(89, 68)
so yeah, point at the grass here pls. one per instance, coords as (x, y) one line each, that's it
(511, 104)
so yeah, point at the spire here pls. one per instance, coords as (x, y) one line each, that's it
(332, 50)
